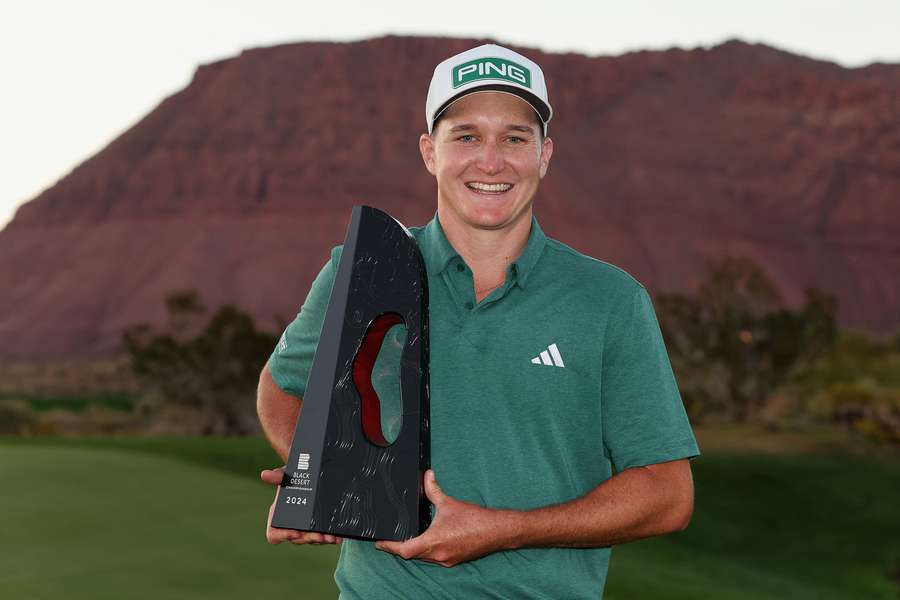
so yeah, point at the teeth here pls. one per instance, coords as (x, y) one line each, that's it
(489, 187)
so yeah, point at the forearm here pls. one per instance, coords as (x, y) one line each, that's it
(278, 412)
(636, 503)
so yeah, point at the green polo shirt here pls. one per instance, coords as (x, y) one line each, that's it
(538, 393)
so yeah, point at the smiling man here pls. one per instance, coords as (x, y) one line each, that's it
(557, 429)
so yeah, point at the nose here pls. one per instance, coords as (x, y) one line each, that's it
(490, 158)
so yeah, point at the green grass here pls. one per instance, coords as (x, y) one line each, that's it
(80, 522)
(182, 517)
(244, 456)
(775, 527)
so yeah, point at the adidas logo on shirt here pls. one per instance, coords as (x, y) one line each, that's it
(549, 357)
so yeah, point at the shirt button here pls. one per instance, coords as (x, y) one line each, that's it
(469, 305)
(460, 268)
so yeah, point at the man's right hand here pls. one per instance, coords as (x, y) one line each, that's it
(275, 535)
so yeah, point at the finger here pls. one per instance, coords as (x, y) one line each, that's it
(327, 538)
(308, 537)
(432, 490)
(276, 535)
(296, 537)
(392, 547)
(270, 532)
(409, 549)
(272, 476)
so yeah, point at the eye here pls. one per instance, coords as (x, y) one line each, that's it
(466, 138)
(516, 139)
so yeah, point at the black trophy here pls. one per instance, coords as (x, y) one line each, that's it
(342, 476)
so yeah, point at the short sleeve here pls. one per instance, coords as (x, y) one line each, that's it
(292, 358)
(644, 421)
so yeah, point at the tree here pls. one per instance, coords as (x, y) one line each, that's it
(213, 367)
(733, 342)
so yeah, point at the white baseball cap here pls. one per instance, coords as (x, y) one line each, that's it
(484, 69)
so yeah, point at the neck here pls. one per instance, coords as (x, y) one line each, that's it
(488, 252)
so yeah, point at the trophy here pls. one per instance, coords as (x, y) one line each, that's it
(343, 477)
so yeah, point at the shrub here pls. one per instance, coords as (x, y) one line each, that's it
(733, 343)
(212, 367)
(862, 406)
(16, 417)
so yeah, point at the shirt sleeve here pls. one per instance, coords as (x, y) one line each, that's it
(291, 360)
(644, 421)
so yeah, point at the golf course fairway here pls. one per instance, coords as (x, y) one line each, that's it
(87, 523)
(183, 518)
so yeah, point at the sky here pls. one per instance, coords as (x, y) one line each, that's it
(77, 74)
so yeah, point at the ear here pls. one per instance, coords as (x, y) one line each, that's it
(546, 153)
(426, 148)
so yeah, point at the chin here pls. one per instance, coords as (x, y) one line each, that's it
(486, 213)
(490, 219)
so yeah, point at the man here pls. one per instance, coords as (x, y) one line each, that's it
(548, 372)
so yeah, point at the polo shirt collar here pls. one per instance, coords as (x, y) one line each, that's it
(524, 265)
(436, 248)
(438, 252)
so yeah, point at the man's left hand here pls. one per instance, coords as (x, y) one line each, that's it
(460, 530)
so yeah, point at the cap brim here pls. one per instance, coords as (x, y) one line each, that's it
(540, 107)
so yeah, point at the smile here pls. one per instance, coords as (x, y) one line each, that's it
(489, 188)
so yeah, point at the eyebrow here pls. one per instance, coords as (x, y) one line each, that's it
(521, 128)
(470, 127)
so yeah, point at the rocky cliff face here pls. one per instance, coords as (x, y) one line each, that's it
(239, 185)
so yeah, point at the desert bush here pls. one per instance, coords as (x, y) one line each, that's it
(862, 406)
(853, 357)
(16, 417)
(111, 376)
(94, 420)
(855, 384)
(733, 342)
(211, 365)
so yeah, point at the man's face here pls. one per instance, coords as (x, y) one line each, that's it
(488, 157)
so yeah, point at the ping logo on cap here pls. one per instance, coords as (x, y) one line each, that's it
(490, 68)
